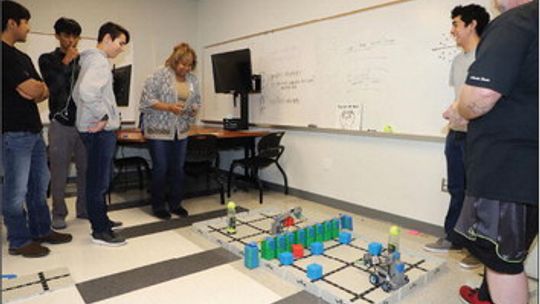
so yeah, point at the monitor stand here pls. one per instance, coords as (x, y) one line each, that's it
(244, 111)
(241, 123)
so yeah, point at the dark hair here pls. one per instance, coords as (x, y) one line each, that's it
(67, 26)
(114, 30)
(15, 11)
(471, 12)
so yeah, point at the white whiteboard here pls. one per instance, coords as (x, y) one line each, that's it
(386, 66)
(40, 43)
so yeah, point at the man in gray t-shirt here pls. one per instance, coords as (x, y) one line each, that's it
(468, 22)
(458, 71)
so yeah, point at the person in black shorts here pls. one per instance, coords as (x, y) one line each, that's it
(499, 219)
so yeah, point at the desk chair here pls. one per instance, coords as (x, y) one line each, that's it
(203, 158)
(121, 164)
(140, 163)
(269, 151)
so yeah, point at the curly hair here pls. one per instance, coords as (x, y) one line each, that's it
(471, 12)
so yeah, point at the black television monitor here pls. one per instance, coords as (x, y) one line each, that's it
(232, 71)
(121, 85)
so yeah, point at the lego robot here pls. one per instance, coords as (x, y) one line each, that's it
(385, 269)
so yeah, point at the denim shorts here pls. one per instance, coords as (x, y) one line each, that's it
(498, 233)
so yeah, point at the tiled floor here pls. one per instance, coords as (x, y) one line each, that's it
(147, 263)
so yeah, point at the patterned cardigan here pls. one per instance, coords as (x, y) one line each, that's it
(161, 86)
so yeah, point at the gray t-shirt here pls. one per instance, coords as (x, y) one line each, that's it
(458, 71)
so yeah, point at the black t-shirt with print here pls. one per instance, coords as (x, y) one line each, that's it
(18, 113)
(502, 145)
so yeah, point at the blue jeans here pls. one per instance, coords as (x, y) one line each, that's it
(168, 157)
(26, 180)
(100, 148)
(455, 166)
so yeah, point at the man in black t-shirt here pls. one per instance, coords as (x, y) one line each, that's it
(24, 156)
(60, 70)
(499, 219)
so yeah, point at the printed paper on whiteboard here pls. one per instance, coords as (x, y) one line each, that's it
(349, 116)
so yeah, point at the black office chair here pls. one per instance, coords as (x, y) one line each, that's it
(139, 163)
(269, 151)
(123, 163)
(203, 158)
(121, 166)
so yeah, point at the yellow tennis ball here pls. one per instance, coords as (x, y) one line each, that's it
(394, 230)
(231, 205)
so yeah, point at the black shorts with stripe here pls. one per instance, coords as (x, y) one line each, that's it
(498, 233)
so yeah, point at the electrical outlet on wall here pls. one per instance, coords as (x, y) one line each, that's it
(444, 185)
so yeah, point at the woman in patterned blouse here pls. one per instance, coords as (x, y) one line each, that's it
(169, 103)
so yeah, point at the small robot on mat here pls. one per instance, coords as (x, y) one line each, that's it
(385, 268)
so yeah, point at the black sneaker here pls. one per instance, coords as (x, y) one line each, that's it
(162, 214)
(108, 238)
(180, 211)
(115, 225)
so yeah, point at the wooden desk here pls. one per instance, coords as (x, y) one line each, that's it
(226, 139)
(134, 135)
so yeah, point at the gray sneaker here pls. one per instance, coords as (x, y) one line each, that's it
(470, 262)
(108, 238)
(58, 222)
(440, 246)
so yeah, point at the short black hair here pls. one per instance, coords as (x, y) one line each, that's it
(471, 12)
(15, 11)
(114, 30)
(67, 26)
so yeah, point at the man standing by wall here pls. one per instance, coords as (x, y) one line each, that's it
(60, 69)
(499, 219)
(97, 120)
(468, 24)
(24, 154)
